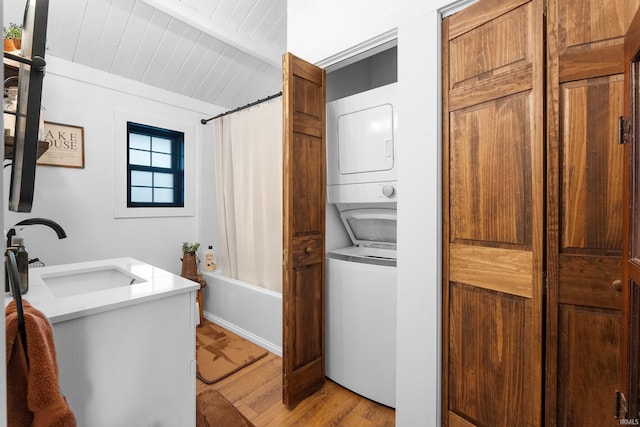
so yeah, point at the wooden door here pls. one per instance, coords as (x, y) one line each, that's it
(493, 175)
(630, 378)
(584, 210)
(304, 184)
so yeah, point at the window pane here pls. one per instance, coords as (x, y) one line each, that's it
(161, 145)
(141, 195)
(142, 142)
(163, 180)
(161, 160)
(137, 157)
(155, 166)
(142, 179)
(163, 195)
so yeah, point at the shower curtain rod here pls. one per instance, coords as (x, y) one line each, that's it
(259, 101)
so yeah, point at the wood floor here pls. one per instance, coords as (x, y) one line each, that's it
(257, 392)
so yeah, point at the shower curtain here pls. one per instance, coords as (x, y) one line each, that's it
(248, 173)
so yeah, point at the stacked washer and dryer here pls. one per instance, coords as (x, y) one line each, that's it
(361, 281)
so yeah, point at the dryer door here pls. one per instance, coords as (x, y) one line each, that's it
(362, 137)
(365, 140)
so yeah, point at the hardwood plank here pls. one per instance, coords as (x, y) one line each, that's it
(478, 14)
(588, 281)
(589, 37)
(490, 87)
(368, 413)
(597, 62)
(256, 391)
(501, 270)
(457, 421)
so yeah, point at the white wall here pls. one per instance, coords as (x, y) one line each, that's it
(13, 11)
(419, 224)
(82, 200)
(317, 31)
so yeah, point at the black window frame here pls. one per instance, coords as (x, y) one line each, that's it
(176, 170)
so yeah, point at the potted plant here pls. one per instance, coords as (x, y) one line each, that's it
(12, 37)
(190, 260)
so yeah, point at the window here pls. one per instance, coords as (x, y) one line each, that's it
(155, 167)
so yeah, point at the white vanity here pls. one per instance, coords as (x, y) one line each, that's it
(125, 340)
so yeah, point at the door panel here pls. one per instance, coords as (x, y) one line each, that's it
(494, 206)
(590, 165)
(630, 375)
(588, 281)
(584, 210)
(490, 148)
(488, 370)
(590, 341)
(476, 74)
(589, 254)
(304, 180)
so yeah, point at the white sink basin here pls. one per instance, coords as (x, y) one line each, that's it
(77, 282)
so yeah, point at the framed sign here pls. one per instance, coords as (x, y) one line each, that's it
(66, 146)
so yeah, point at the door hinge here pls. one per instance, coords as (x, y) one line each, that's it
(624, 130)
(620, 410)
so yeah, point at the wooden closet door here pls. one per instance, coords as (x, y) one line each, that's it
(629, 410)
(493, 174)
(584, 210)
(304, 184)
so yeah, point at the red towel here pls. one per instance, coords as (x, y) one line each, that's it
(33, 394)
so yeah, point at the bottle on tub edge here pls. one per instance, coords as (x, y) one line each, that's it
(210, 259)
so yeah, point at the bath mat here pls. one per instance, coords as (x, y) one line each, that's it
(220, 353)
(213, 410)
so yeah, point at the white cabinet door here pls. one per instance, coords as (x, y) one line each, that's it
(132, 366)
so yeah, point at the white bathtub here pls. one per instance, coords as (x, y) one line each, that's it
(247, 310)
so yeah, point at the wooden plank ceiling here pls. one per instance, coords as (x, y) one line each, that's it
(225, 52)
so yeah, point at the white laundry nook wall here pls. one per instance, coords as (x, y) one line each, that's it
(318, 31)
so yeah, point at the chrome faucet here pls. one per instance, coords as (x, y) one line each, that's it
(37, 221)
